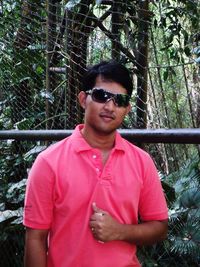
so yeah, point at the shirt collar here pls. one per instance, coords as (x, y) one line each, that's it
(80, 143)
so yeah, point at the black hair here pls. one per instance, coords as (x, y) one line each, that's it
(110, 71)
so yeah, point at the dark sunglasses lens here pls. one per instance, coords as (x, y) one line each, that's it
(102, 96)
(99, 95)
(122, 100)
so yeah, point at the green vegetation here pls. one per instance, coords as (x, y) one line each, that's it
(182, 246)
(36, 39)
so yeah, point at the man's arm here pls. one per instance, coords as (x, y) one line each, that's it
(105, 228)
(145, 233)
(35, 248)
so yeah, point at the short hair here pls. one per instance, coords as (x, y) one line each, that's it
(110, 71)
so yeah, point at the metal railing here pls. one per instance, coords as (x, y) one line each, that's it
(17, 159)
(176, 136)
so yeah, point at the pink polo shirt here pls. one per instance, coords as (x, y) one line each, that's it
(68, 177)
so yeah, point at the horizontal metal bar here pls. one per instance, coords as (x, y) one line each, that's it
(178, 136)
(58, 70)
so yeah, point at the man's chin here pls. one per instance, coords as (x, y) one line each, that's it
(105, 130)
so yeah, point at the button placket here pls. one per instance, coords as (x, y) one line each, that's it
(106, 175)
(97, 162)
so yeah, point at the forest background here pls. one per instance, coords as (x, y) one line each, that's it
(45, 47)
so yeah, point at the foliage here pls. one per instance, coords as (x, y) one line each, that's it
(185, 213)
(12, 190)
(21, 67)
(22, 77)
(11, 199)
(178, 23)
(23, 99)
(184, 222)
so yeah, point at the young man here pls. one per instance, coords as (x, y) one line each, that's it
(86, 192)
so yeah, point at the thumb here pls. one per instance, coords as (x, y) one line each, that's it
(97, 209)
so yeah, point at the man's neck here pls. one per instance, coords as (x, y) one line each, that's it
(102, 142)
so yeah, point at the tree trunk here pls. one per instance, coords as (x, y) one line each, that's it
(142, 63)
(77, 39)
(116, 29)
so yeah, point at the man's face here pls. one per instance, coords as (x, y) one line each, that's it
(104, 118)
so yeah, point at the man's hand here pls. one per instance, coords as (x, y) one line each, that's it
(103, 226)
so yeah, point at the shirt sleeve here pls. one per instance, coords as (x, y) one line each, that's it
(152, 204)
(38, 206)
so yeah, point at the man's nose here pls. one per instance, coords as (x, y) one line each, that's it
(110, 104)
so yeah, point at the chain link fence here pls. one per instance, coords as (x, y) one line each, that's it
(45, 48)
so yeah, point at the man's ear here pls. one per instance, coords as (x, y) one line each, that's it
(82, 99)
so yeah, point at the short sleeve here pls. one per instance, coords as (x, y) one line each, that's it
(152, 204)
(38, 205)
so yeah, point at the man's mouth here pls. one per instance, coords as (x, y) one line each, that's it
(107, 116)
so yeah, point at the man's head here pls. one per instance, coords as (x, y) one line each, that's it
(111, 71)
(105, 97)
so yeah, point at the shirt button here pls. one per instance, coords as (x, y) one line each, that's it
(94, 156)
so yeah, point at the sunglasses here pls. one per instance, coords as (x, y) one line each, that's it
(100, 95)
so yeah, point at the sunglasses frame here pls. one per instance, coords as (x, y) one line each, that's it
(110, 96)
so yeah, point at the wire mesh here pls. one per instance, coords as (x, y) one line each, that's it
(45, 48)
(181, 189)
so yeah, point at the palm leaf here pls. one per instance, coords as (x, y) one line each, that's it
(186, 242)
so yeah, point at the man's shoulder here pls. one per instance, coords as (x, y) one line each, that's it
(133, 148)
(55, 148)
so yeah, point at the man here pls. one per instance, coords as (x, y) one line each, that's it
(85, 193)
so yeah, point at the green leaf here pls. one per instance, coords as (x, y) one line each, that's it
(197, 60)
(98, 2)
(48, 96)
(190, 198)
(196, 50)
(39, 70)
(33, 151)
(186, 241)
(24, 124)
(71, 4)
(16, 191)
